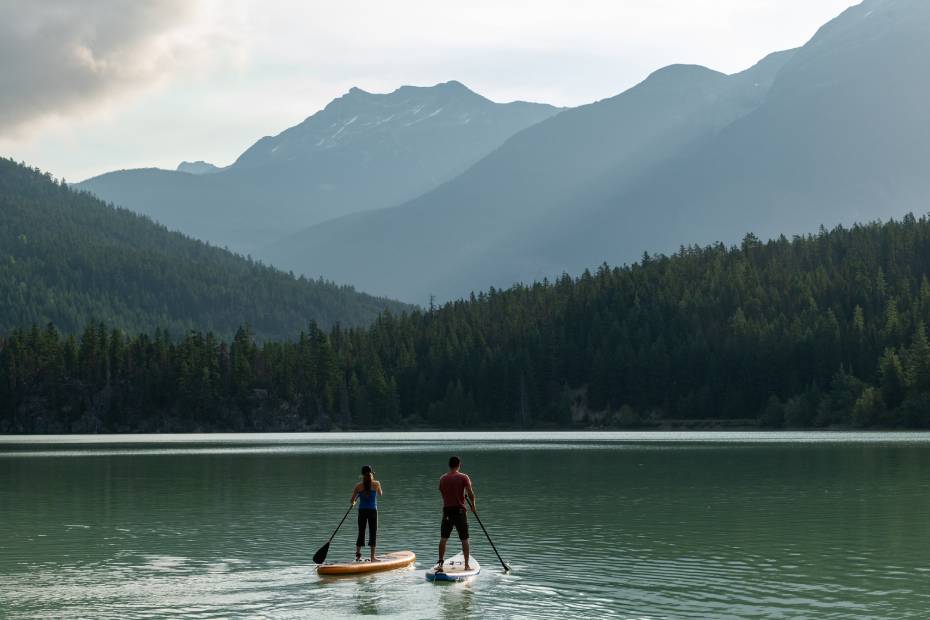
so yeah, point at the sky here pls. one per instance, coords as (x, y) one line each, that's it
(98, 85)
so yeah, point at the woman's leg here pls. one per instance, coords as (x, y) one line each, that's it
(373, 532)
(360, 540)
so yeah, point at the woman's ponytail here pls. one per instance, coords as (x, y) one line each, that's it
(366, 477)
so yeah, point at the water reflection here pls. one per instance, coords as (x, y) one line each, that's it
(456, 600)
(366, 593)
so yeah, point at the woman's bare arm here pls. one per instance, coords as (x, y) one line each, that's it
(378, 488)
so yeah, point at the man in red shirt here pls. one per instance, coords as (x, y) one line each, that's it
(453, 486)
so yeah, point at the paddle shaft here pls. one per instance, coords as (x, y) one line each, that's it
(344, 517)
(483, 529)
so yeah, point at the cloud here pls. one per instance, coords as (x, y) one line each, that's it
(59, 57)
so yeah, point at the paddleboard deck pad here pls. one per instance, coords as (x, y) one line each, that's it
(453, 569)
(388, 561)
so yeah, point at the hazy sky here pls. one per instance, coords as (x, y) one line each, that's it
(97, 85)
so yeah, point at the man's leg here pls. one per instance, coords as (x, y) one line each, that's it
(461, 526)
(442, 550)
(445, 530)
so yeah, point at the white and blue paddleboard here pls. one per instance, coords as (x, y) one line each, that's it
(453, 569)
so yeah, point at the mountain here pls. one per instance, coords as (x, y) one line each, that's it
(362, 151)
(836, 131)
(843, 136)
(68, 258)
(433, 243)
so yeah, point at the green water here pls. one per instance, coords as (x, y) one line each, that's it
(657, 525)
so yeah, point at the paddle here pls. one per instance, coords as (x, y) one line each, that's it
(320, 556)
(503, 563)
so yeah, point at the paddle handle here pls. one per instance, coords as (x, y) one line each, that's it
(483, 529)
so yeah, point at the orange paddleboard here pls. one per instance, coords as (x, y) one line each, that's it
(389, 561)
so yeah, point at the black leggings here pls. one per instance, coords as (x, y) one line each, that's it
(369, 516)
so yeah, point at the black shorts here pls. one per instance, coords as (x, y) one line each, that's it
(454, 517)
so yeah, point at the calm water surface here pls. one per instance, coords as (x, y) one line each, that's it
(625, 525)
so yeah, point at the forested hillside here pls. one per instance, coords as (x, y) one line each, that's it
(815, 331)
(66, 258)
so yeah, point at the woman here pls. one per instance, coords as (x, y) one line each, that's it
(367, 492)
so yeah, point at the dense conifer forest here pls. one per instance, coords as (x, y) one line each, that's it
(67, 258)
(818, 331)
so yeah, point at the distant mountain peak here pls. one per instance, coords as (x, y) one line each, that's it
(681, 73)
(445, 91)
(197, 167)
(454, 86)
(450, 88)
(682, 78)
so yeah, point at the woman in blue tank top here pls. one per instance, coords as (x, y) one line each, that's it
(367, 492)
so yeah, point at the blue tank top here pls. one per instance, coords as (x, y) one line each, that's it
(368, 499)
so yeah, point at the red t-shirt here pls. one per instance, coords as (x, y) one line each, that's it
(452, 486)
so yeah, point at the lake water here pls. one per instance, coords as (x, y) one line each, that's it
(625, 525)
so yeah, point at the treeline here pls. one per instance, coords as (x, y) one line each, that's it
(817, 331)
(67, 258)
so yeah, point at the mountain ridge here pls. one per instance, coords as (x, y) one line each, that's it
(361, 151)
(614, 138)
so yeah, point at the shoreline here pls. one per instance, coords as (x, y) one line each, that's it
(395, 436)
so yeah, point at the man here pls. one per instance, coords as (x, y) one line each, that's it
(453, 486)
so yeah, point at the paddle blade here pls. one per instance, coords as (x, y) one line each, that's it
(320, 556)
